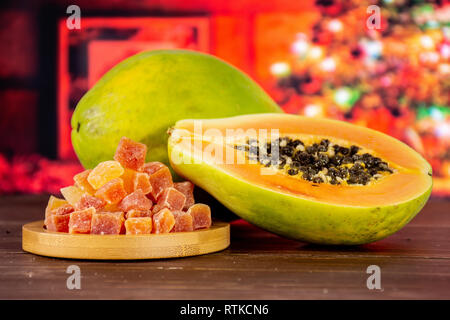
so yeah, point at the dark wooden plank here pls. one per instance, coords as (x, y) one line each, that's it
(415, 263)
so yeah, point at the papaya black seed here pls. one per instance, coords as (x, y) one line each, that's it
(317, 180)
(353, 150)
(343, 172)
(322, 148)
(295, 164)
(337, 159)
(334, 181)
(332, 172)
(325, 142)
(313, 159)
(311, 149)
(295, 143)
(288, 151)
(344, 151)
(323, 159)
(347, 160)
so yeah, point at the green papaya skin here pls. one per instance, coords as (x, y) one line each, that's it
(147, 93)
(295, 217)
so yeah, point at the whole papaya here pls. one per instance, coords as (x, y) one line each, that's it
(144, 95)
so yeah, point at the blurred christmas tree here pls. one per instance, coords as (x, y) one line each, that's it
(395, 78)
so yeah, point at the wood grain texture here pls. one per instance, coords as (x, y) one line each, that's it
(415, 264)
(35, 239)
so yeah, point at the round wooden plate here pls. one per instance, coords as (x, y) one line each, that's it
(36, 239)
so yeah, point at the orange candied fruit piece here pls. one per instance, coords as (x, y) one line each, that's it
(131, 154)
(183, 221)
(142, 182)
(72, 194)
(107, 223)
(128, 179)
(58, 222)
(138, 213)
(64, 209)
(112, 192)
(53, 203)
(187, 188)
(104, 172)
(156, 208)
(151, 167)
(141, 225)
(160, 180)
(137, 201)
(201, 215)
(163, 221)
(113, 207)
(58, 218)
(172, 199)
(87, 201)
(80, 221)
(134, 180)
(82, 182)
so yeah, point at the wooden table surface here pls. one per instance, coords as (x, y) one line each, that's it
(414, 264)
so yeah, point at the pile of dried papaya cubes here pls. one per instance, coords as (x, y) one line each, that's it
(127, 196)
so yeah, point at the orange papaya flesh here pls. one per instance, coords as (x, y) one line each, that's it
(343, 213)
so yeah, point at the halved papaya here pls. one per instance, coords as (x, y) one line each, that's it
(316, 180)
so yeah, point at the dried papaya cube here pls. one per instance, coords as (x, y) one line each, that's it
(58, 222)
(87, 201)
(172, 199)
(53, 203)
(201, 215)
(64, 209)
(137, 201)
(156, 208)
(104, 172)
(113, 207)
(163, 221)
(128, 178)
(82, 182)
(80, 221)
(134, 180)
(112, 192)
(151, 167)
(142, 225)
(142, 182)
(72, 194)
(107, 223)
(187, 188)
(183, 221)
(131, 154)
(138, 213)
(160, 180)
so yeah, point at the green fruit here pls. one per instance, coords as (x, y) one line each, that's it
(144, 95)
(294, 207)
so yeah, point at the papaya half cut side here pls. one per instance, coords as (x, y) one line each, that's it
(327, 181)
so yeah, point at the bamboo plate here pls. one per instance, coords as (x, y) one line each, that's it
(37, 240)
